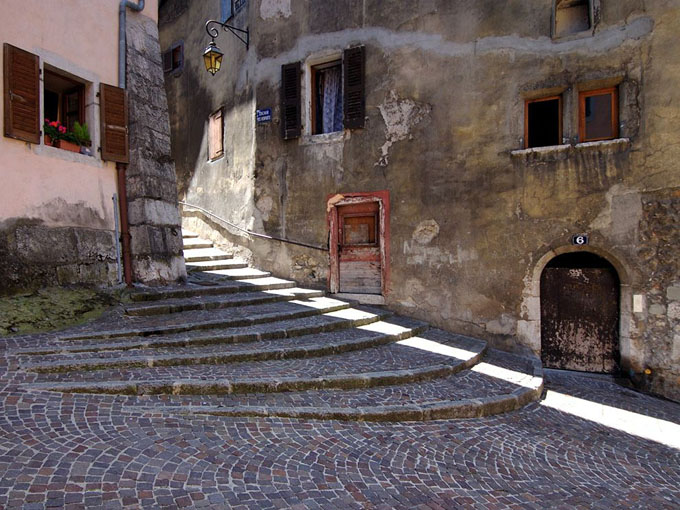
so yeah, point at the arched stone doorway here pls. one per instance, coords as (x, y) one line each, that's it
(579, 297)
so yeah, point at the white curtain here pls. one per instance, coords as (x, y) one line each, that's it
(332, 100)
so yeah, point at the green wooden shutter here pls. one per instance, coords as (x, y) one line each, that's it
(291, 109)
(114, 123)
(354, 92)
(22, 94)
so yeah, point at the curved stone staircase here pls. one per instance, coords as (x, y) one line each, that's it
(236, 341)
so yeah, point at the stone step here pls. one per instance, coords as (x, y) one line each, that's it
(268, 331)
(218, 288)
(485, 389)
(245, 273)
(213, 302)
(210, 265)
(188, 234)
(202, 254)
(411, 360)
(196, 242)
(314, 345)
(210, 319)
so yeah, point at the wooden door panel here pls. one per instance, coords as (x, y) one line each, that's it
(579, 319)
(359, 248)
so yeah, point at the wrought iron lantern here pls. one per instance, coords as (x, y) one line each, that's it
(212, 55)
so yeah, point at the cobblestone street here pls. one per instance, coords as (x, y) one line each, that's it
(100, 451)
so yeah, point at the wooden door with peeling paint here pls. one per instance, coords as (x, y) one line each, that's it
(580, 314)
(359, 248)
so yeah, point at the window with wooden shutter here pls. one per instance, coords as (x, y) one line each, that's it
(216, 136)
(354, 64)
(22, 94)
(114, 123)
(291, 122)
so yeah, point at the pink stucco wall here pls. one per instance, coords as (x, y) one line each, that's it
(79, 37)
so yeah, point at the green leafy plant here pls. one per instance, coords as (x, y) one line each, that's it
(81, 133)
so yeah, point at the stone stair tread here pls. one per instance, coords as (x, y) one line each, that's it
(331, 321)
(239, 273)
(388, 364)
(188, 234)
(399, 356)
(200, 254)
(196, 242)
(315, 344)
(466, 393)
(205, 265)
(207, 319)
(192, 290)
(214, 302)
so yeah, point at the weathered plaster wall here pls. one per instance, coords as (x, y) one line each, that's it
(474, 219)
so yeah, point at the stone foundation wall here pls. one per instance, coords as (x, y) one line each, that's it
(659, 323)
(33, 255)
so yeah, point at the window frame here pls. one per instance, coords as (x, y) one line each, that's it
(314, 70)
(614, 121)
(591, 9)
(560, 120)
(78, 87)
(168, 58)
(214, 155)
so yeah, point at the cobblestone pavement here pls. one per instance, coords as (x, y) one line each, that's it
(109, 452)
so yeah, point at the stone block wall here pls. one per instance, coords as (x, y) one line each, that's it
(659, 323)
(34, 255)
(151, 184)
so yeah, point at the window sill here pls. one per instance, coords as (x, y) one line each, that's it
(66, 155)
(616, 143)
(560, 152)
(335, 137)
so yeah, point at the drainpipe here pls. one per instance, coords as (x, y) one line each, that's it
(121, 168)
(122, 42)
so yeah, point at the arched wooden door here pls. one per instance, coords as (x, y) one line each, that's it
(580, 314)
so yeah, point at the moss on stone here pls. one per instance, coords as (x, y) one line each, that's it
(53, 308)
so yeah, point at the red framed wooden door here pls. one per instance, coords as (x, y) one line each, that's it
(359, 264)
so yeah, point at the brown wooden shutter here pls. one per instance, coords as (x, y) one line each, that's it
(22, 94)
(114, 123)
(167, 61)
(291, 110)
(354, 96)
(216, 135)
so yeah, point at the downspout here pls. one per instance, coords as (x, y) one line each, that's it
(121, 167)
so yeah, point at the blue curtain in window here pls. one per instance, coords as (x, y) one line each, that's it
(225, 10)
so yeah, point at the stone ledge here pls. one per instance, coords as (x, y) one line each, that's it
(565, 151)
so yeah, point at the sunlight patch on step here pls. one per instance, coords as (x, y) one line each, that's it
(295, 291)
(351, 314)
(437, 348)
(511, 376)
(269, 280)
(318, 302)
(385, 328)
(646, 427)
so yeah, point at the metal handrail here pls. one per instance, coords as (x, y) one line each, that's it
(250, 232)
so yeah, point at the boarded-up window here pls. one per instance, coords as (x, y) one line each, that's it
(216, 135)
(354, 64)
(21, 94)
(114, 123)
(290, 101)
(571, 17)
